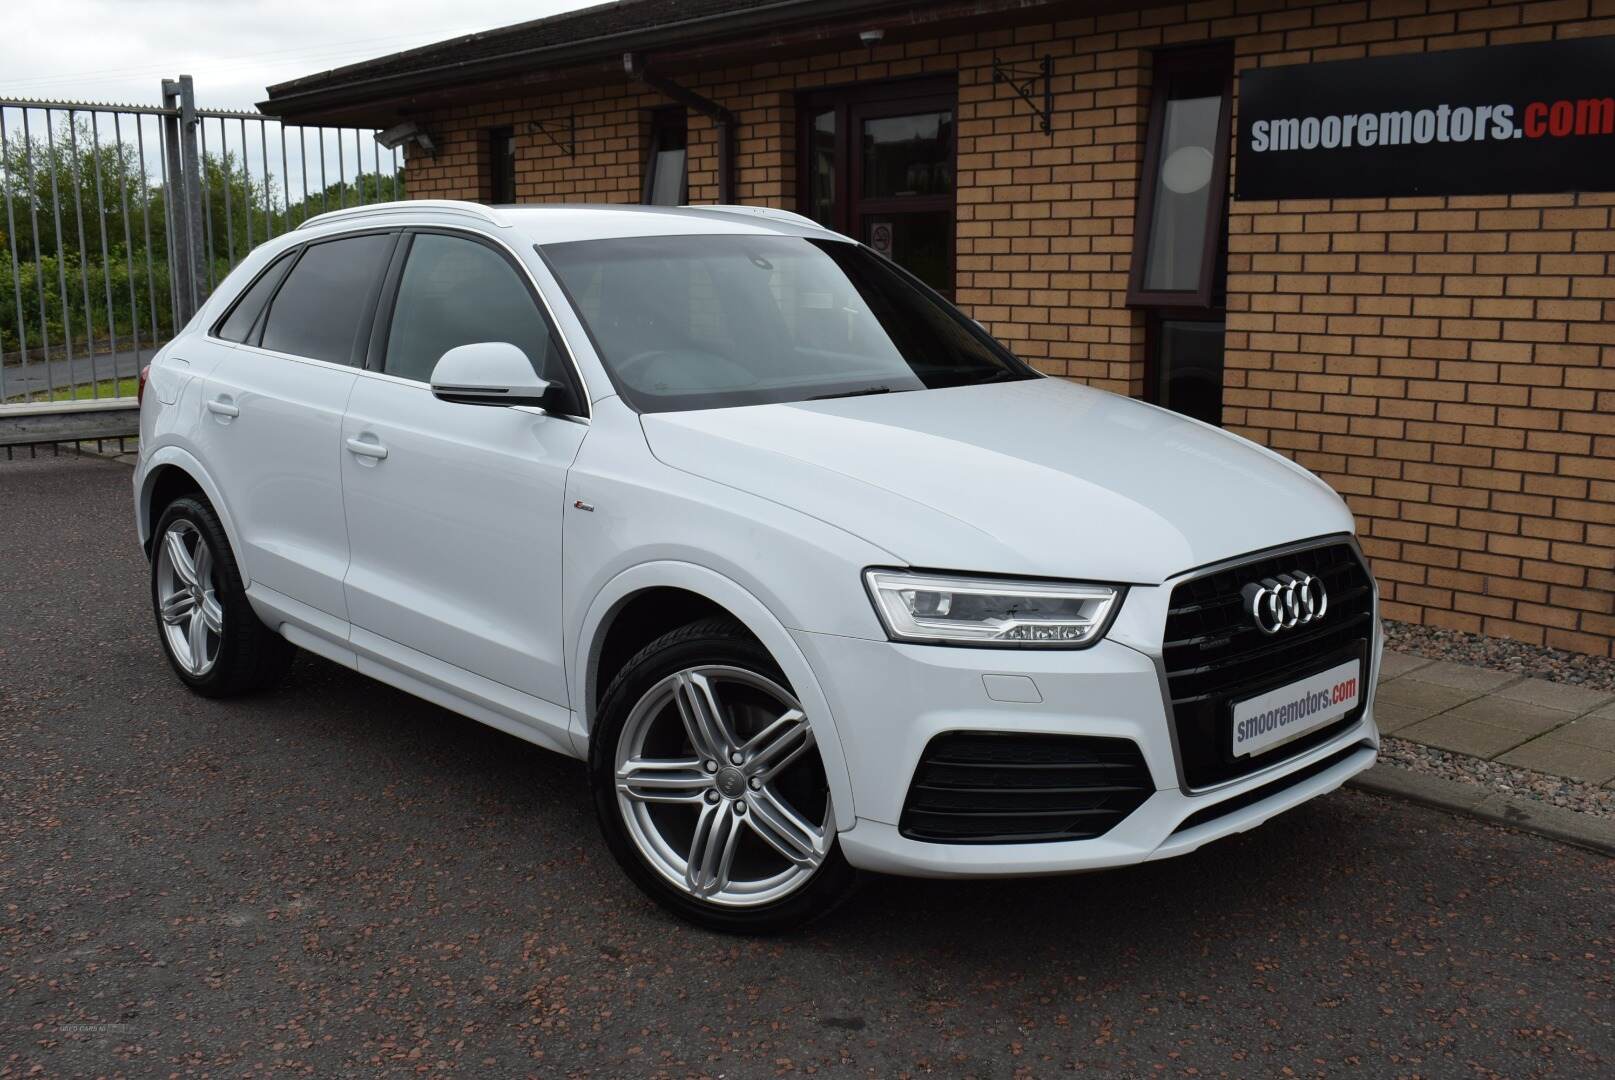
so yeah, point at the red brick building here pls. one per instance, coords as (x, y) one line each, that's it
(1070, 174)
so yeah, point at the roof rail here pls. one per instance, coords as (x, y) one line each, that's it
(771, 213)
(450, 206)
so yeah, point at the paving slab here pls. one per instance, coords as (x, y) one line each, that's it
(1594, 732)
(1553, 754)
(1553, 695)
(1393, 718)
(1463, 736)
(1528, 721)
(1426, 699)
(1394, 665)
(1463, 677)
(1607, 712)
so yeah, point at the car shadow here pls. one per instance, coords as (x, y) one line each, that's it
(1089, 920)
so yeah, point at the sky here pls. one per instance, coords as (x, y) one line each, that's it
(120, 50)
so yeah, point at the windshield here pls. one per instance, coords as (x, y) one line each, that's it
(705, 322)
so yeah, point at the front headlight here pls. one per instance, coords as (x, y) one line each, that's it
(990, 611)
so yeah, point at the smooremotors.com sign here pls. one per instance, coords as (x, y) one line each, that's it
(1489, 121)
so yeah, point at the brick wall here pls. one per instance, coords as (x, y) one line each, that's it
(1448, 364)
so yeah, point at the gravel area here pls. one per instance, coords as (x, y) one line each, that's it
(1502, 654)
(1584, 798)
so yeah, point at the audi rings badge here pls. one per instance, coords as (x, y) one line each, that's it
(1285, 602)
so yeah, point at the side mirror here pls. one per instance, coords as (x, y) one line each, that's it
(488, 373)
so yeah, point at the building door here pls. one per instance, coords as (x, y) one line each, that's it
(878, 165)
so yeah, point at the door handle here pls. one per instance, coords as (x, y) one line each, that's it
(367, 448)
(222, 407)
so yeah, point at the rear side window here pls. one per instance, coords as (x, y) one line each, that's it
(458, 292)
(242, 321)
(317, 311)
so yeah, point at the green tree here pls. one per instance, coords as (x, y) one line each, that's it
(61, 187)
(363, 189)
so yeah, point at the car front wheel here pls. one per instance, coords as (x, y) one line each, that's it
(709, 785)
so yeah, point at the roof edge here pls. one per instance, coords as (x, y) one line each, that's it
(314, 92)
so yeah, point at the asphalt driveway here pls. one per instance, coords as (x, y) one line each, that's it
(338, 878)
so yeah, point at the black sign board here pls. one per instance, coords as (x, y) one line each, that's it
(1499, 120)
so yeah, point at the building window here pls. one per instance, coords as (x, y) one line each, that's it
(1186, 363)
(1183, 191)
(1180, 233)
(502, 156)
(666, 178)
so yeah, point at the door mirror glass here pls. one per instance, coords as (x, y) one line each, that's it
(488, 373)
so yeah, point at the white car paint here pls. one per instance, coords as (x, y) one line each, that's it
(1027, 478)
(461, 567)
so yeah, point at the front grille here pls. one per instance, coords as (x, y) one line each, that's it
(1265, 791)
(1215, 655)
(1005, 788)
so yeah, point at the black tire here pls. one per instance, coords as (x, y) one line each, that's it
(250, 656)
(716, 641)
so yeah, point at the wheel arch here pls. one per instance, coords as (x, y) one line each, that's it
(710, 593)
(169, 473)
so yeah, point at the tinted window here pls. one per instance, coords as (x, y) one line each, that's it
(502, 154)
(457, 292)
(239, 324)
(700, 322)
(317, 312)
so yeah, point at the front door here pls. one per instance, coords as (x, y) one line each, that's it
(879, 167)
(454, 511)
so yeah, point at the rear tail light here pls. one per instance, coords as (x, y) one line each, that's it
(140, 387)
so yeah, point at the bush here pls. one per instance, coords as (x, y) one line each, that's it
(42, 281)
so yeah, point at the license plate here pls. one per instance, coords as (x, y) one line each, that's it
(1278, 716)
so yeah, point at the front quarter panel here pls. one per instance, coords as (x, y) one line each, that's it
(648, 525)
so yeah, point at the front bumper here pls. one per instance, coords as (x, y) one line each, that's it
(891, 699)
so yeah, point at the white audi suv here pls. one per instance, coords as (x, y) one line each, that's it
(813, 574)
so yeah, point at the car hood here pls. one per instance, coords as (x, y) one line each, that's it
(1041, 477)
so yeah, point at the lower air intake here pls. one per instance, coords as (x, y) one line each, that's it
(1005, 788)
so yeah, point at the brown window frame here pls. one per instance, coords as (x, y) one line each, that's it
(1199, 61)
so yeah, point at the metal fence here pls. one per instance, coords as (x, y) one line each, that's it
(119, 220)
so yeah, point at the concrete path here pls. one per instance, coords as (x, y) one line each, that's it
(1535, 724)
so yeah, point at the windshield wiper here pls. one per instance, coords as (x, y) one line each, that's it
(865, 392)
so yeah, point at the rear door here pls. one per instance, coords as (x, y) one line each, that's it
(455, 511)
(272, 426)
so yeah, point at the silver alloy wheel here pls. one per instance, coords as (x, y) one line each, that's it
(705, 767)
(187, 598)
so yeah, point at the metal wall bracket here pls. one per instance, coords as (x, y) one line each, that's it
(1023, 80)
(570, 146)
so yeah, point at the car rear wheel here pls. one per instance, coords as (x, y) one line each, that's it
(709, 785)
(213, 639)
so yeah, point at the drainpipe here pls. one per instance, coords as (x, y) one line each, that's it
(634, 65)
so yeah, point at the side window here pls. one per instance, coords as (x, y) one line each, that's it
(242, 321)
(457, 292)
(317, 311)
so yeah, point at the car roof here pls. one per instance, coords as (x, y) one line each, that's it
(559, 223)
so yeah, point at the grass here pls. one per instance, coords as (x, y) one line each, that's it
(105, 388)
